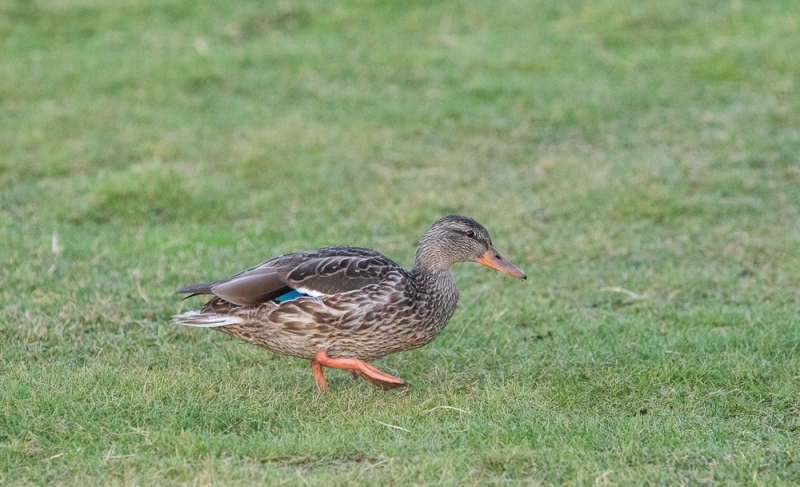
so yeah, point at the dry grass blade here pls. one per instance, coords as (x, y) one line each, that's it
(392, 426)
(617, 289)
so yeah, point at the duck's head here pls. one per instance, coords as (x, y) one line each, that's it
(454, 239)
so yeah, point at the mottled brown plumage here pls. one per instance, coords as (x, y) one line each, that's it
(354, 305)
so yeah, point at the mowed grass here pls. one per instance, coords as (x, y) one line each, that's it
(639, 159)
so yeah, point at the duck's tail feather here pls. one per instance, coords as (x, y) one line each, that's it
(196, 289)
(205, 320)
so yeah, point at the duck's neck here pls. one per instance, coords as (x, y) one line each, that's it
(430, 270)
(436, 297)
(432, 274)
(431, 257)
(438, 284)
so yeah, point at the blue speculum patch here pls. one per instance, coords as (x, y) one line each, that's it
(289, 296)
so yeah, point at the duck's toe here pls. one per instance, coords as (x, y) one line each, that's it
(384, 381)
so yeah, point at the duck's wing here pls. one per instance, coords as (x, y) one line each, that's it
(327, 271)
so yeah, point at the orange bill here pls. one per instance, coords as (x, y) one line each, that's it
(493, 260)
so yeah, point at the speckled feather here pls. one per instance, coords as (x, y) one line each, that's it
(395, 314)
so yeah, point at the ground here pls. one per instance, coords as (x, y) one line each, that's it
(638, 159)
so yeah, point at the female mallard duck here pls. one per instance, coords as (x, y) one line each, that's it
(341, 306)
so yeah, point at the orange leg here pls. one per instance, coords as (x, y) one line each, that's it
(319, 377)
(357, 368)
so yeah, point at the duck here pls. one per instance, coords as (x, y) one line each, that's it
(342, 307)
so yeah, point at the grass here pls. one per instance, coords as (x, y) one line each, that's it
(639, 159)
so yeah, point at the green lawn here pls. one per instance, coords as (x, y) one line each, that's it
(639, 159)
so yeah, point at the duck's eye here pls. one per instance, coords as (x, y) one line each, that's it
(470, 233)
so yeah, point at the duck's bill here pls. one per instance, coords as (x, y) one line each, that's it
(493, 260)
